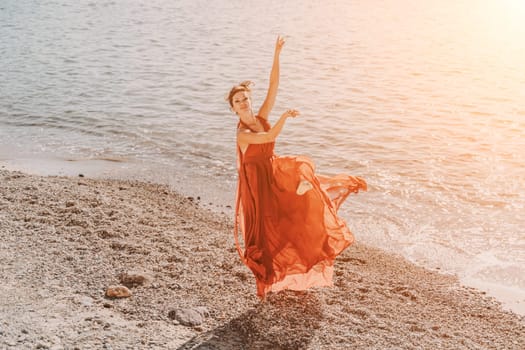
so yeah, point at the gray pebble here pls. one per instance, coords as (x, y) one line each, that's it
(187, 317)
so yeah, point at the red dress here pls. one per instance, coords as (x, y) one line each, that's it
(290, 240)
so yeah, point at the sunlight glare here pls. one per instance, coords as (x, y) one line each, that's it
(511, 17)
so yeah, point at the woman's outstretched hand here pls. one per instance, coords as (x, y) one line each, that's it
(279, 44)
(291, 113)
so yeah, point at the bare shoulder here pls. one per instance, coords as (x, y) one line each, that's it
(263, 113)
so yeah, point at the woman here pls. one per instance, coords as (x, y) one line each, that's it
(287, 214)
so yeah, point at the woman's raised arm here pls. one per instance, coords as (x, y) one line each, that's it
(268, 103)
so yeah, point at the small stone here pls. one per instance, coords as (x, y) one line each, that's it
(80, 175)
(70, 204)
(118, 292)
(187, 317)
(134, 278)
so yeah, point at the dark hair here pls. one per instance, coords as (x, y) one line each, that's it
(244, 86)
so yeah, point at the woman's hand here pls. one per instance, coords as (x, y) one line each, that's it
(291, 113)
(279, 44)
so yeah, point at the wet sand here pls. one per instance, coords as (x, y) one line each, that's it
(65, 240)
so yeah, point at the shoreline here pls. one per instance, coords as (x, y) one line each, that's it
(65, 240)
(125, 170)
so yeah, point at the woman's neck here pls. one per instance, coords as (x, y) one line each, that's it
(249, 120)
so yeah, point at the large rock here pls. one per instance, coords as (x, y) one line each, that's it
(189, 317)
(118, 292)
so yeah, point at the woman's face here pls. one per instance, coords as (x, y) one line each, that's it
(241, 102)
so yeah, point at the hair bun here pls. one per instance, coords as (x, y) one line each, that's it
(244, 86)
(247, 84)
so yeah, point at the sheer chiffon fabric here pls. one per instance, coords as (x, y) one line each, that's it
(290, 240)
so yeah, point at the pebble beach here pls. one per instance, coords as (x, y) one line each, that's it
(118, 264)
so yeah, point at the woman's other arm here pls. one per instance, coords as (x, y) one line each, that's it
(246, 137)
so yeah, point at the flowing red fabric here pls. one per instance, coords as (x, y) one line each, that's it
(290, 240)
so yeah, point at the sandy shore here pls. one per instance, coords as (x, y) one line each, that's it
(65, 240)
